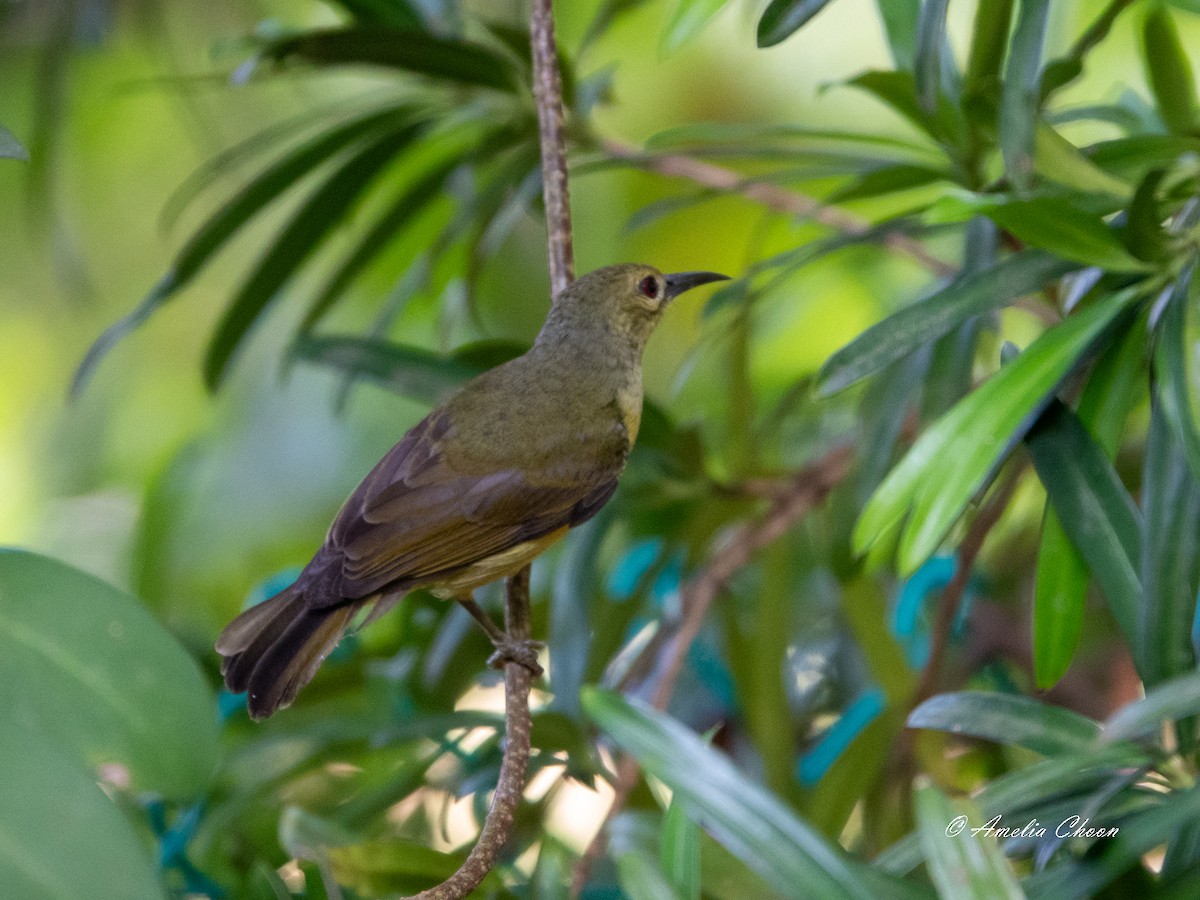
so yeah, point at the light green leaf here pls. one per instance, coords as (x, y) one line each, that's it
(953, 459)
(1169, 70)
(61, 838)
(915, 326)
(755, 826)
(687, 21)
(88, 664)
(1060, 161)
(681, 852)
(963, 865)
(1007, 719)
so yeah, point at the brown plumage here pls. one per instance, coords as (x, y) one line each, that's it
(474, 491)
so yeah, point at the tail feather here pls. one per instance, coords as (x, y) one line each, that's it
(274, 648)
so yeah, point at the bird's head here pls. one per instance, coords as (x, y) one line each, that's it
(627, 300)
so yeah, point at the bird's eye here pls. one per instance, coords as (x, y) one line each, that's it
(649, 287)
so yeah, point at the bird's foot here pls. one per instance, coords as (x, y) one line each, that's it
(523, 653)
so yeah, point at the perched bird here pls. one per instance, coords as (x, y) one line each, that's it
(477, 489)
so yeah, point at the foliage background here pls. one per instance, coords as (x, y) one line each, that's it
(191, 501)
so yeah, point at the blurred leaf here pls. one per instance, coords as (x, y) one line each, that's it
(783, 18)
(989, 40)
(576, 580)
(1061, 227)
(1060, 591)
(388, 867)
(640, 877)
(905, 331)
(681, 852)
(1007, 719)
(219, 228)
(411, 51)
(900, 25)
(396, 13)
(1060, 161)
(323, 210)
(956, 456)
(1133, 156)
(927, 64)
(899, 91)
(1020, 99)
(1168, 701)
(1173, 353)
(1143, 231)
(749, 821)
(1094, 509)
(963, 865)
(88, 664)
(1168, 70)
(687, 21)
(1170, 554)
(1062, 71)
(412, 372)
(888, 180)
(62, 838)
(10, 147)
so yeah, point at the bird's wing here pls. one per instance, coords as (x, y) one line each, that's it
(416, 515)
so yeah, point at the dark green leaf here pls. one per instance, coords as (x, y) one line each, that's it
(966, 864)
(1093, 507)
(396, 13)
(247, 203)
(1143, 230)
(317, 216)
(87, 664)
(1060, 591)
(10, 147)
(1133, 156)
(1007, 719)
(746, 819)
(955, 457)
(412, 51)
(899, 19)
(782, 18)
(1169, 701)
(412, 372)
(1064, 228)
(888, 180)
(989, 40)
(903, 332)
(927, 64)
(898, 90)
(1169, 71)
(62, 838)
(1170, 554)
(1020, 99)
(1173, 353)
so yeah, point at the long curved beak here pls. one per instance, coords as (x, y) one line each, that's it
(685, 281)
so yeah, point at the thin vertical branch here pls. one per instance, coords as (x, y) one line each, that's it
(518, 679)
(547, 92)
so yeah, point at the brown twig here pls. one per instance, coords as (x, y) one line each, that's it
(547, 92)
(773, 196)
(518, 680)
(806, 490)
(511, 784)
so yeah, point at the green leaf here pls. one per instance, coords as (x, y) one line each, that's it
(1020, 99)
(899, 19)
(1059, 226)
(914, 326)
(412, 372)
(681, 852)
(989, 40)
(228, 220)
(61, 838)
(963, 865)
(1094, 509)
(10, 147)
(88, 664)
(899, 91)
(1169, 701)
(1007, 719)
(783, 18)
(750, 822)
(325, 208)
(1060, 589)
(396, 13)
(1170, 554)
(1060, 161)
(888, 180)
(687, 21)
(411, 51)
(1169, 71)
(927, 64)
(1173, 353)
(954, 458)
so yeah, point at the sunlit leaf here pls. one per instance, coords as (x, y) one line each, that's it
(914, 326)
(1007, 719)
(87, 664)
(783, 18)
(965, 864)
(954, 458)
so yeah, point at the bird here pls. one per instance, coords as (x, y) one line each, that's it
(477, 489)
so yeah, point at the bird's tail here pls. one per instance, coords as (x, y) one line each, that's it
(274, 648)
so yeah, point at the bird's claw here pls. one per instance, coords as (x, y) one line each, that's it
(523, 653)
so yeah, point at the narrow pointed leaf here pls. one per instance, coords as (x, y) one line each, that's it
(687, 21)
(899, 19)
(1020, 100)
(989, 40)
(965, 864)
(1007, 719)
(1169, 70)
(931, 41)
(783, 18)
(914, 326)
(1169, 701)
(1061, 227)
(1173, 354)
(1094, 508)
(681, 852)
